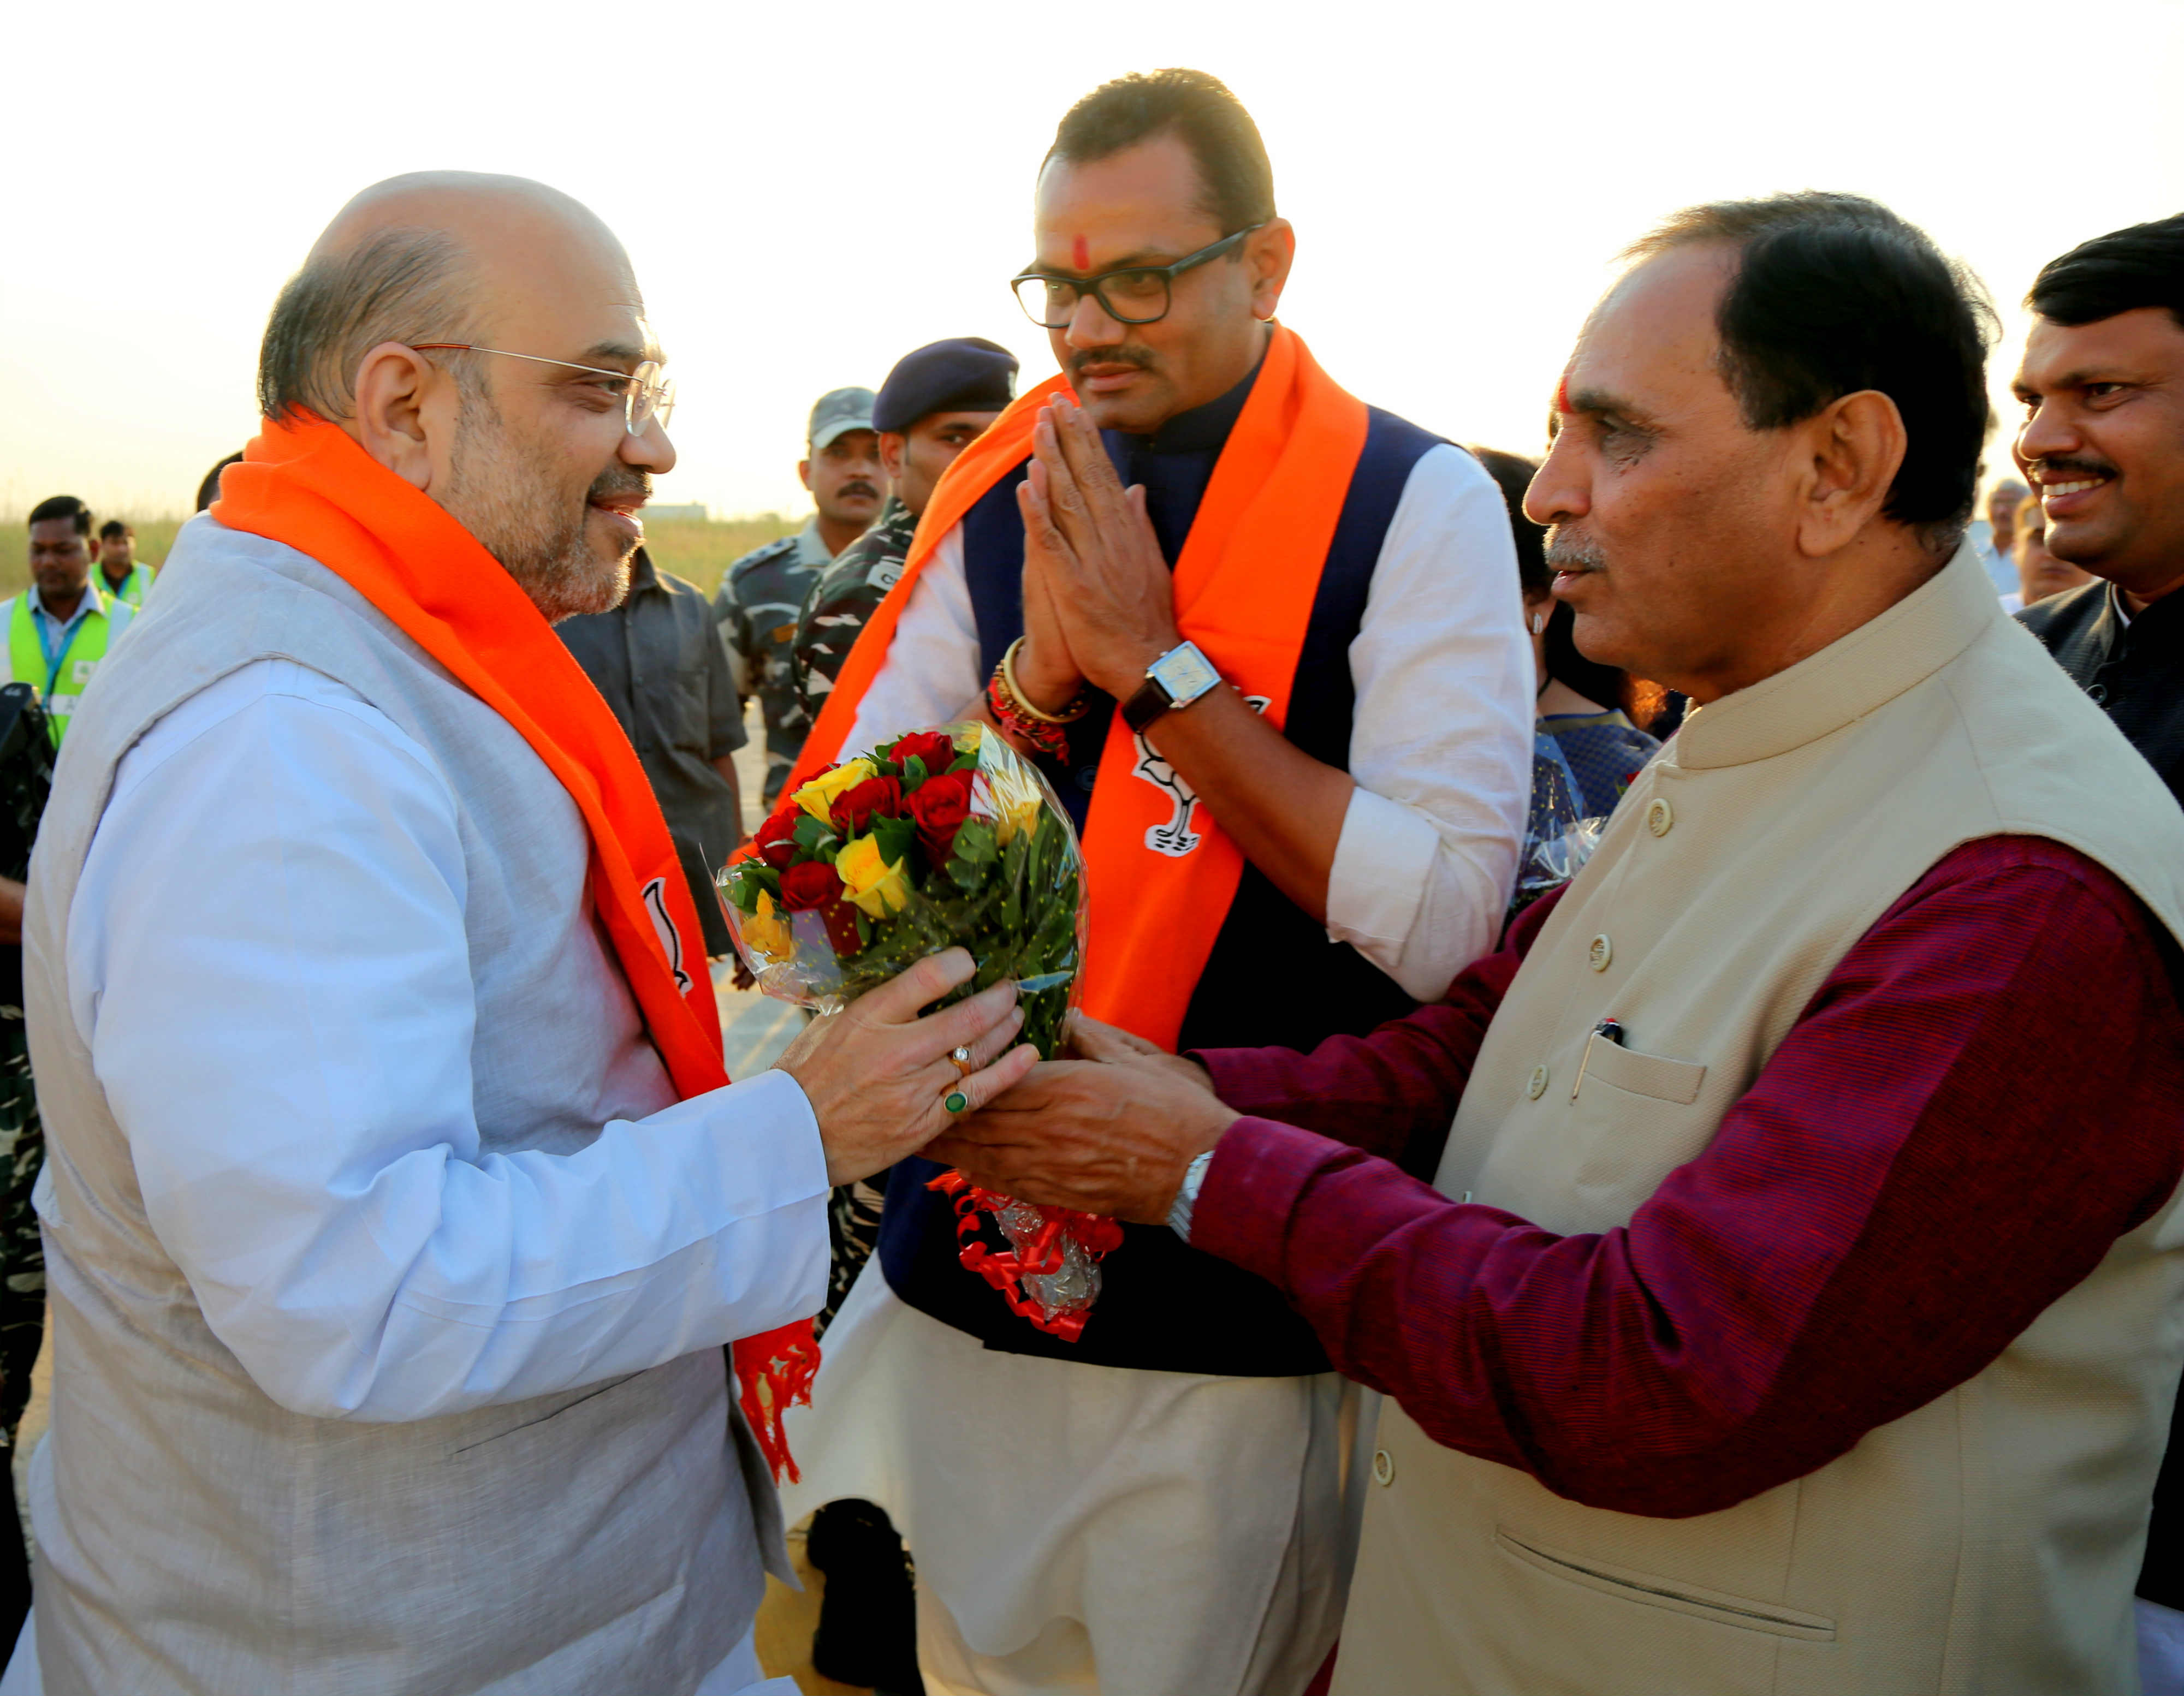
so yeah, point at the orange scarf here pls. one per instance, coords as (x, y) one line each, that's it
(1244, 592)
(309, 485)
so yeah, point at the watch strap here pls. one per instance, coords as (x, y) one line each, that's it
(1186, 1195)
(1146, 704)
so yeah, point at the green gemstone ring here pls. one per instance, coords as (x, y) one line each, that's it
(957, 1101)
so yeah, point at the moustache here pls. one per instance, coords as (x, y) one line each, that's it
(860, 487)
(2091, 467)
(1137, 357)
(619, 479)
(1568, 553)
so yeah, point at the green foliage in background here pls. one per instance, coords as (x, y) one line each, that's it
(689, 547)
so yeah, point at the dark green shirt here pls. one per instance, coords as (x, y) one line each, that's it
(658, 660)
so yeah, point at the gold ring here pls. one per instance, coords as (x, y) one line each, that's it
(961, 1060)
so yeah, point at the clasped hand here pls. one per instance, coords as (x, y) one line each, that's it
(1111, 1133)
(1099, 598)
(876, 1074)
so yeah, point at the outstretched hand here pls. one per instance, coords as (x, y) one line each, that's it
(1113, 1136)
(876, 1074)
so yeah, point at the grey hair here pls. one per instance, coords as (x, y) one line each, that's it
(402, 284)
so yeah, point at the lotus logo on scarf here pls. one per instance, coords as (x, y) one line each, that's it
(1176, 838)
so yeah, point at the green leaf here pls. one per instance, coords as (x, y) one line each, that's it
(965, 762)
(975, 842)
(814, 836)
(894, 837)
(913, 774)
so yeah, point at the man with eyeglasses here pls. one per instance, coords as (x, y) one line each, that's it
(1266, 641)
(762, 594)
(395, 1205)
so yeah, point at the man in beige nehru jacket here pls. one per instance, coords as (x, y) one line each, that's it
(1794, 1305)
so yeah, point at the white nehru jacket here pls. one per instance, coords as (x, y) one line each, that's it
(269, 935)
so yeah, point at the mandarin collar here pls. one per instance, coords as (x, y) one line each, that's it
(1853, 675)
(1203, 429)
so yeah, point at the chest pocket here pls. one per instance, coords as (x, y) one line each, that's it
(1653, 1075)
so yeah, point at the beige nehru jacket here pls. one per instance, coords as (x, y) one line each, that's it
(1987, 1542)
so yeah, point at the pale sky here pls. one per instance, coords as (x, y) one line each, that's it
(810, 191)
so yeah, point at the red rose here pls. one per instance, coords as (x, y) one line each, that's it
(940, 806)
(853, 808)
(807, 888)
(815, 887)
(776, 840)
(938, 753)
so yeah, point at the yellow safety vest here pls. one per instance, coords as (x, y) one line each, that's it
(59, 686)
(132, 586)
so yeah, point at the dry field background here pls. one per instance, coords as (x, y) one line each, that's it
(696, 548)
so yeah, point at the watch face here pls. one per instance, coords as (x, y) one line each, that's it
(1184, 673)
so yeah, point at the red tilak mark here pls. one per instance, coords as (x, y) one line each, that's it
(1561, 394)
(1081, 251)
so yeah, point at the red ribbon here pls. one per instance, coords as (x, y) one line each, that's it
(1006, 1271)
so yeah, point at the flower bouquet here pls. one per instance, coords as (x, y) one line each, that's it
(939, 839)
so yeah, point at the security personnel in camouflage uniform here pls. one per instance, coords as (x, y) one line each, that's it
(26, 777)
(935, 403)
(762, 593)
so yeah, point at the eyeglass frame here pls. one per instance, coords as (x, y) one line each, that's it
(659, 396)
(1090, 285)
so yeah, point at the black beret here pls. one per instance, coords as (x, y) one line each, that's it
(964, 374)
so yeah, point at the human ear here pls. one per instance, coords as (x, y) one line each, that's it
(893, 447)
(1855, 445)
(1270, 252)
(803, 471)
(392, 386)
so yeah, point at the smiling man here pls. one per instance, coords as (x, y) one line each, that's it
(1266, 641)
(396, 1207)
(1793, 1306)
(2103, 442)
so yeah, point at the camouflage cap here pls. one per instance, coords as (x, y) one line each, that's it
(837, 412)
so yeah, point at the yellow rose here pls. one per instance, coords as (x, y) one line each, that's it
(874, 885)
(1012, 792)
(765, 932)
(816, 797)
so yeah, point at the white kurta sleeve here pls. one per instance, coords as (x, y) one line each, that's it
(1441, 746)
(267, 962)
(931, 673)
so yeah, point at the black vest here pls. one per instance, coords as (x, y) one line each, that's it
(1273, 977)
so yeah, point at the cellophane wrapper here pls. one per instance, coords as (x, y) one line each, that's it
(935, 839)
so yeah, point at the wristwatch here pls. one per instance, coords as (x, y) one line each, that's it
(1175, 679)
(1186, 1195)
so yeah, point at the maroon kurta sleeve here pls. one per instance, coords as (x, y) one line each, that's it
(1397, 1090)
(1987, 1091)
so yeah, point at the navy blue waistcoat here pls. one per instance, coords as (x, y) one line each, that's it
(1273, 978)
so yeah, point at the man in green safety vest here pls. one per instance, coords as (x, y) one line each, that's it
(122, 575)
(58, 630)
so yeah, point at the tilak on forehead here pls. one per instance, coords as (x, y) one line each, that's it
(1562, 393)
(1080, 251)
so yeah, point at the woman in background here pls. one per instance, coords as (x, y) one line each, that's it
(1593, 713)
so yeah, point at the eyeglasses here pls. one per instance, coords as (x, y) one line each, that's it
(1136, 294)
(645, 395)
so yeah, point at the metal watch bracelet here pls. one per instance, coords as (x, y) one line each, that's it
(1186, 1195)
